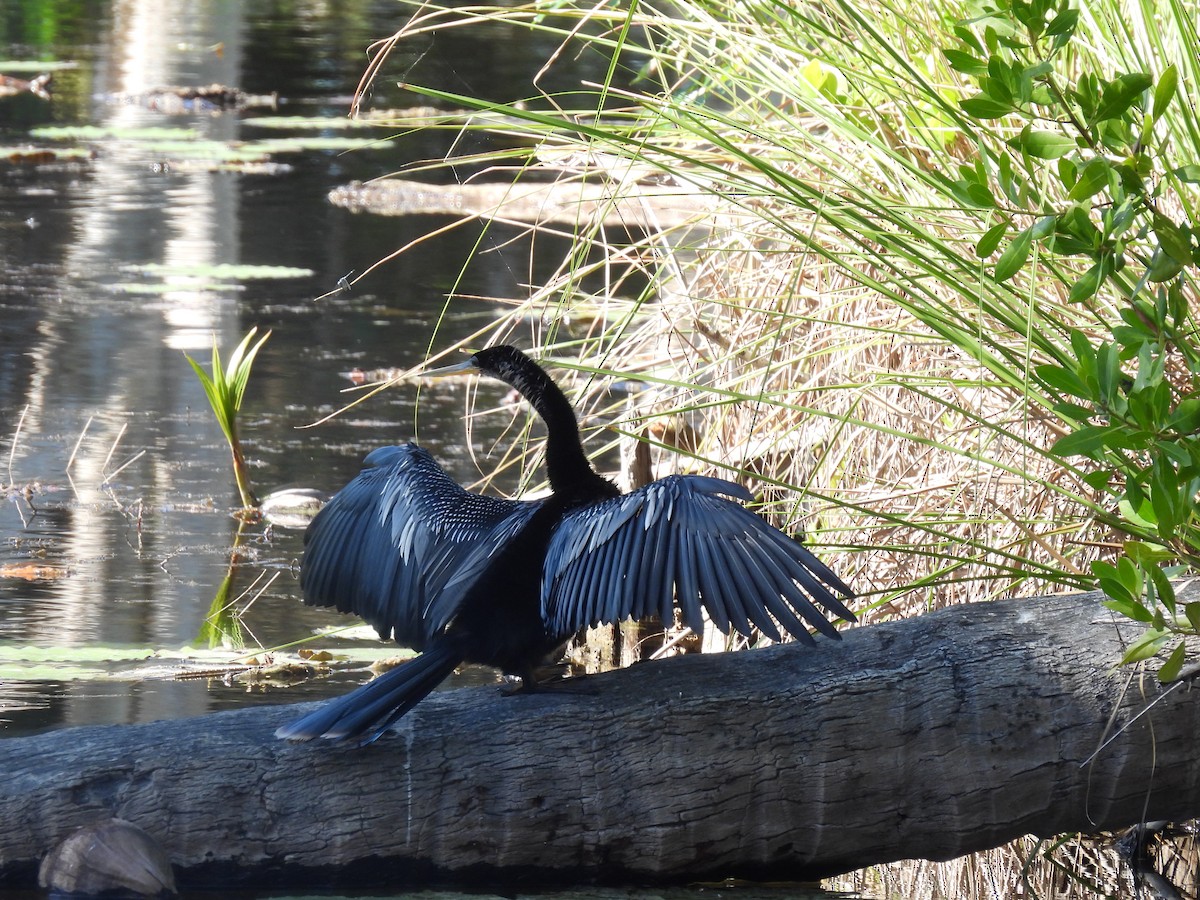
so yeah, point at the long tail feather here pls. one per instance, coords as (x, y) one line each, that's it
(364, 714)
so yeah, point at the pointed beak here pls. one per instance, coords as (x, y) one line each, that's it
(456, 369)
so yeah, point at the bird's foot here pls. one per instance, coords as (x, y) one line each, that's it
(543, 679)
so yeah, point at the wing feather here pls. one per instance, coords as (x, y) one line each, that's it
(750, 575)
(401, 542)
(685, 540)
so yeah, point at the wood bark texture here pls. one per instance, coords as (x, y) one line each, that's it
(931, 737)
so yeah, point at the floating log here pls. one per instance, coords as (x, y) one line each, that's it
(565, 202)
(931, 737)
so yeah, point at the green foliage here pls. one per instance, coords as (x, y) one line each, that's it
(1095, 186)
(225, 389)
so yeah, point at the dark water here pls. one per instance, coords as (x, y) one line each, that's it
(133, 541)
(117, 488)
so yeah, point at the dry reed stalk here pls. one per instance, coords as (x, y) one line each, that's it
(927, 493)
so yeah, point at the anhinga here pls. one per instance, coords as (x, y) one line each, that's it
(469, 578)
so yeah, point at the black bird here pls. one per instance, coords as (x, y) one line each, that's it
(469, 578)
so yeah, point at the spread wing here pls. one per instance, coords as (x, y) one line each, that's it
(680, 539)
(401, 543)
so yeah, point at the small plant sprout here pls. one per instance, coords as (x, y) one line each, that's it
(225, 389)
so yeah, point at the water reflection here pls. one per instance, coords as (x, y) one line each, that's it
(119, 481)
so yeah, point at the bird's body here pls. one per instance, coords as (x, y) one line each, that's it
(469, 578)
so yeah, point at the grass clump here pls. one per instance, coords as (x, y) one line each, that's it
(938, 284)
(938, 279)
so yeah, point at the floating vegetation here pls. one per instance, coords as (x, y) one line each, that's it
(212, 98)
(106, 133)
(302, 123)
(33, 571)
(201, 277)
(220, 272)
(314, 142)
(217, 151)
(184, 148)
(124, 663)
(38, 156)
(35, 65)
(248, 167)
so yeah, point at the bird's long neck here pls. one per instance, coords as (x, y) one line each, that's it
(566, 464)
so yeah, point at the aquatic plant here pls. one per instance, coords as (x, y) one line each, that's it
(225, 389)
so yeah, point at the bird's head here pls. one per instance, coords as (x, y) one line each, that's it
(505, 363)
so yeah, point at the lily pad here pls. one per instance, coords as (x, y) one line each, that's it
(121, 663)
(301, 123)
(103, 133)
(207, 150)
(220, 272)
(35, 65)
(299, 144)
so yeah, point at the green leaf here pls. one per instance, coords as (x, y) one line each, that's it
(1164, 497)
(1043, 227)
(983, 106)
(1063, 24)
(1146, 554)
(1192, 612)
(1012, 259)
(1186, 417)
(1130, 575)
(1068, 172)
(991, 240)
(1084, 441)
(972, 193)
(1164, 92)
(967, 36)
(1189, 173)
(1163, 588)
(1171, 668)
(1119, 95)
(965, 63)
(1046, 144)
(1163, 267)
(1092, 180)
(1174, 242)
(1087, 285)
(1139, 513)
(1145, 646)
(1063, 380)
(1128, 608)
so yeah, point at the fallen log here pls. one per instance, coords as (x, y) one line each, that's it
(931, 737)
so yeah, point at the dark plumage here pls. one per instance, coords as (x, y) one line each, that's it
(469, 578)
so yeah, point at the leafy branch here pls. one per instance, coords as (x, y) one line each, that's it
(1091, 166)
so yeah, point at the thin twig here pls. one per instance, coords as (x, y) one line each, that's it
(121, 468)
(74, 453)
(12, 451)
(112, 450)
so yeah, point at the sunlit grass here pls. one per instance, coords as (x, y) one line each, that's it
(823, 327)
(849, 322)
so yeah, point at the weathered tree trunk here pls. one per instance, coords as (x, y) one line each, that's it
(930, 738)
